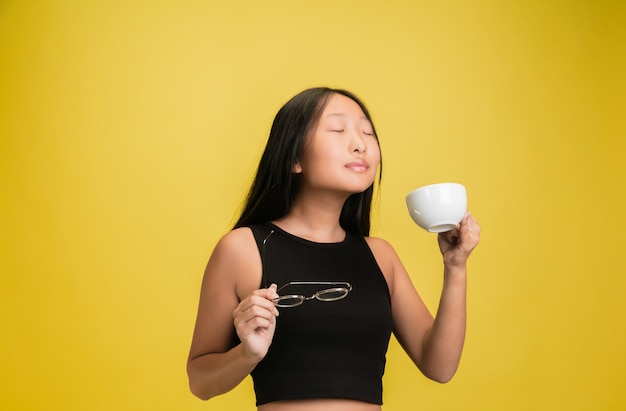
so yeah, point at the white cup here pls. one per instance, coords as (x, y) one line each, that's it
(437, 207)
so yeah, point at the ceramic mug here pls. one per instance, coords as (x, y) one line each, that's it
(437, 208)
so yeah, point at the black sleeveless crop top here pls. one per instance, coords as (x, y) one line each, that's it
(324, 349)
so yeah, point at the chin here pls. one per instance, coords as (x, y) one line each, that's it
(359, 190)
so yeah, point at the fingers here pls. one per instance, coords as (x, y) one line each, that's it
(469, 230)
(466, 233)
(471, 223)
(257, 309)
(452, 235)
(456, 245)
(255, 321)
(466, 218)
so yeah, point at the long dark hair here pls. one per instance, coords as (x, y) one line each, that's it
(275, 185)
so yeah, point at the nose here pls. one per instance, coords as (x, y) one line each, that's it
(358, 143)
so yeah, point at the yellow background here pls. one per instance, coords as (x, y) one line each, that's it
(130, 131)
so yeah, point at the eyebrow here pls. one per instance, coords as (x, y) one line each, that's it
(345, 115)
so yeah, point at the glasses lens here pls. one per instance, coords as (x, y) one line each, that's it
(332, 294)
(289, 301)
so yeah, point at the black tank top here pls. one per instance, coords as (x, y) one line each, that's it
(324, 349)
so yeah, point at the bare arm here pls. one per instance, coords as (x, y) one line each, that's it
(216, 362)
(443, 344)
(434, 344)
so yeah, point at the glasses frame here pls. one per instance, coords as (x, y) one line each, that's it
(263, 257)
(345, 288)
(319, 295)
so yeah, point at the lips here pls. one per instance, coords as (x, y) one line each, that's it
(358, 166)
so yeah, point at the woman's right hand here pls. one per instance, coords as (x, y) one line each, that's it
(255, 321)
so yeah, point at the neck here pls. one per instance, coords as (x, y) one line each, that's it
(315, 218)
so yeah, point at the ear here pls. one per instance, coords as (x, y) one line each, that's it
(297, 168)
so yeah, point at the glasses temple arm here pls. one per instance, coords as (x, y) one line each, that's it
(263, 264)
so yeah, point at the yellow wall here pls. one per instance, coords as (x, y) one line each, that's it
(130, 131)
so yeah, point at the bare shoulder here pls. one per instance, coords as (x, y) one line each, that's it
(379, 244)
(235, 252)
(385, 256)
(236, 258)
(382, 249)
(237, 241)
(234, 249)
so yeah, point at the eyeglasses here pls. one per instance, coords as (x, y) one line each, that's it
(339, 291)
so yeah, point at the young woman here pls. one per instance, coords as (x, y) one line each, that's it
(299, 295)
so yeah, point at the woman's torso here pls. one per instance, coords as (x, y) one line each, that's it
(325, 349)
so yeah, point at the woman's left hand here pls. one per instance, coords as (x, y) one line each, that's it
(456, 245)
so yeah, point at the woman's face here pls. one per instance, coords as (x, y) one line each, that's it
(341, 155)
